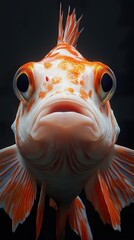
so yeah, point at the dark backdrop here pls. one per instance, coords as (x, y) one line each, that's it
(28, 30)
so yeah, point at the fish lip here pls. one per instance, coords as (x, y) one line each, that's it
(63, 117)
(64, 107)
(48, 106)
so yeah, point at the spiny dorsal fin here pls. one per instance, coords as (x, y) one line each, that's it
(71, 32)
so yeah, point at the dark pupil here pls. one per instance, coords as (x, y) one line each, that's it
(106, 83)
(23, 82)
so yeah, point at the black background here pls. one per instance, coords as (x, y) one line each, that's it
(28, 31)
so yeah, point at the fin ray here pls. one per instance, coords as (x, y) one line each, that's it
(71, 32)
(113, 187)
(78, 219)
(17, 186)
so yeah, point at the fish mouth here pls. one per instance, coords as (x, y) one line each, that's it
(65, 107)
(65, 117)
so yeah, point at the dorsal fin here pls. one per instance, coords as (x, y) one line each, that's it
(71, 32)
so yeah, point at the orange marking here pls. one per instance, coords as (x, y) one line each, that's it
(49, 87)
(63, 65)
(73, 67)
(68, 48)
(82, 83)
(78, 203)
(56, 80)
(17, 120)
(73, 74)
(70, 89)
(74, 81)
(107, 109)
(47, 65)
(17, 124)
(30, 105)
(83, 94)
(72, 51)
(23, 110)
(73, 60)
(90, 93)
(53, 54)
(79, 60)
(42, 94)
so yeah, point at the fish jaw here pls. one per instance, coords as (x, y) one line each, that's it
(67, 117)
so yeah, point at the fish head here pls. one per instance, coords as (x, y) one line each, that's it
(64, 97)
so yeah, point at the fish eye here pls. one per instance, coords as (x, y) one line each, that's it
(23, 83)
(106, 82)
(107, 86)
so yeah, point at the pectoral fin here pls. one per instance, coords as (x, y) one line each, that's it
(113, 188)
(17, 186)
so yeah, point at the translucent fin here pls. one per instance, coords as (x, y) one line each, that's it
(62, 214)
(17, 186)
(40, 210)
(71, 32)
(113, 188)
(61, 31)
(78, 220)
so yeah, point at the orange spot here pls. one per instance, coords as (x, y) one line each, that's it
(70, 89)
(83, 94)
(56, 80)
(47, 65)
(49, 87)
(72, 64)
(90, 93)
(42, 94)
(30, 105)
(74, 68)
(63, 65)
(73, 73)
(82, 83)
(74, 81)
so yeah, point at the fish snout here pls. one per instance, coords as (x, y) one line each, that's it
(65, 118)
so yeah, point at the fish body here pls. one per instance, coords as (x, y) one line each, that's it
(66, 133)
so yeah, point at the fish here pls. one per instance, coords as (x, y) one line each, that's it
(65, 141)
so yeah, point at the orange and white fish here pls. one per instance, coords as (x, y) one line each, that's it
(65, 133)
